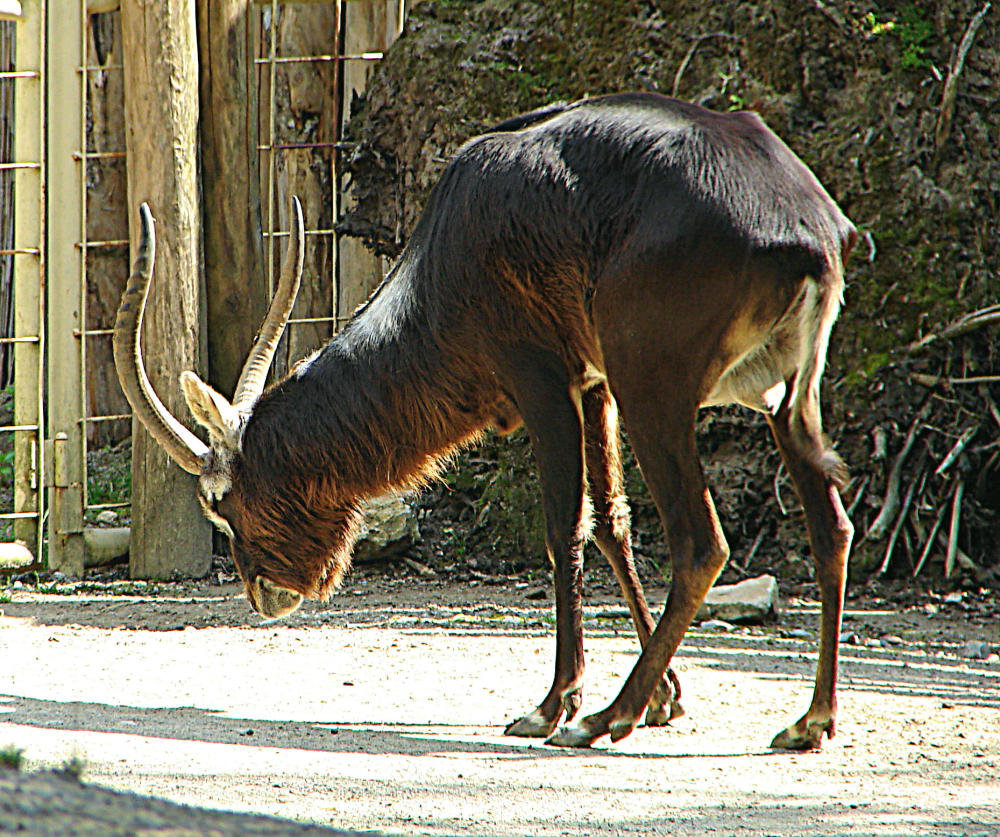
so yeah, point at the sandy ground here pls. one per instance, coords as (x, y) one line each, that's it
(383, 711)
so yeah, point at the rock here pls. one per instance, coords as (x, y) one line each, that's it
(103, 546)
(798, 633)
(107, 517)
(954, 598)
(849, 638)
(975, 649)
(750, 602)
(716, 625)
(390, 526)
(420, 569)
(13, 555)
(890, 640)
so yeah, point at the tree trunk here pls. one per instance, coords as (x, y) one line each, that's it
(169, 533)
(107, 221)
(235, 281)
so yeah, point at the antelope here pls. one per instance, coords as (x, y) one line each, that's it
(628, 252)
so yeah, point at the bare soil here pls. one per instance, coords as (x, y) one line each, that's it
(384, 709)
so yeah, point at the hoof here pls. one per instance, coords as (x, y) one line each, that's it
(534, 725)
(665, 705)
(660, 716)
(572, 735)
(803, 736)
(571, 701)
(620, 729)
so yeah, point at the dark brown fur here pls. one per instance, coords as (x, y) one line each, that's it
(628, 250)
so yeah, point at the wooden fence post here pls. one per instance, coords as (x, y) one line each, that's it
(234, 258)
(160, 51)
(369, 26)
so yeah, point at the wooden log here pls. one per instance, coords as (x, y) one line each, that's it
(169, 533)
(236, 285)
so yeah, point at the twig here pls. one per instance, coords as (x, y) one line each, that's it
(899, 523)
(690, 54)
(956, 450)
(963, 325)
(947, 108)
(956, 519)
(872, 249)
(930, 541)
(757, 541)
(990, 404)
(858, 495)
(777, 490)
(880, 443)
(936, 380)
(891, 502)
(961, 559)
(830, 13)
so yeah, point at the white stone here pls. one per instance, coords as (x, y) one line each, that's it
(716, 625)
(390, 526)
(975, 649)
(14, 555)
(752, 601)
(102, 546)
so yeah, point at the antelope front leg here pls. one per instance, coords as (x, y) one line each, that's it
(565, 694)
(613, 533)
(550, 407)
(699, 552)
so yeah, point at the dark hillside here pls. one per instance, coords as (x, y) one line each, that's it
(897, 110)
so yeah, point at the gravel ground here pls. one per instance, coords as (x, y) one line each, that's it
(383, 712)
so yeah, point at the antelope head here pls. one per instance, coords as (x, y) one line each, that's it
(224, 421)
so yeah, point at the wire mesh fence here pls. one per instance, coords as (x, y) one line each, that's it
(66, 76)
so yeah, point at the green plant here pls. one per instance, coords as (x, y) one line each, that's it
(11, 757)
(911, 28)
(114, 487)
(73, 767)
(914, 32)
(873, 27)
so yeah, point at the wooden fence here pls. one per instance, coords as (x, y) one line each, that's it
(64, 260)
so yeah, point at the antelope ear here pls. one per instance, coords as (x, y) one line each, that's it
(211, 410)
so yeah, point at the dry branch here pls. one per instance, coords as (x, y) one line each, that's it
(690, 54)
(937, 380)
(929, 543)
(956, 519)
(963, 325)
(890, 504)
(956, 450)
(858, 495)
(900, 521)
(990, 404)
(947, 109)
(831, 14)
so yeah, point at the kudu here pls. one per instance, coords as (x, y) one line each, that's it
(628, 251)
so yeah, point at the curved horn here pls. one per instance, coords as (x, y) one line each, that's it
(181, 444)
(251, 383)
